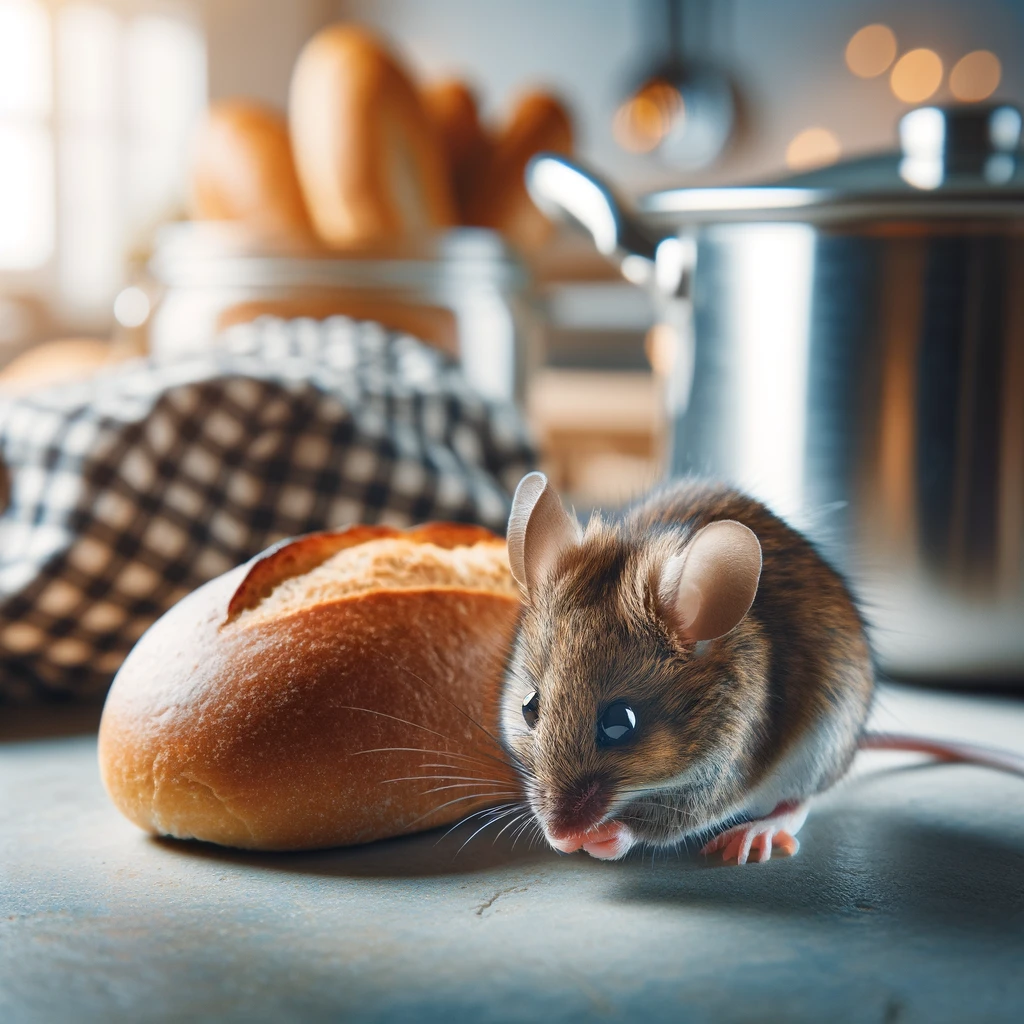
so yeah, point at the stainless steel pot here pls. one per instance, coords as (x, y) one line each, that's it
(854, 354)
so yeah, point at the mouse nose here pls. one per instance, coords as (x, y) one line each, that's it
(577, 808)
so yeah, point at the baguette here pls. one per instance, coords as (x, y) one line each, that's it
(453, 109)
(370, 160)
(498, 197)
(243, 170)
(272, 708)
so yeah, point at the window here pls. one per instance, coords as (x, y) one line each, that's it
(26, 154)
(97, 101)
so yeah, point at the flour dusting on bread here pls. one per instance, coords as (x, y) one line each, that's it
(391, 563)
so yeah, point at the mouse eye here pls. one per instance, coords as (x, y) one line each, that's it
(531, 708)
(617, 725)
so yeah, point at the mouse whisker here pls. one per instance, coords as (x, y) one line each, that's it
(490, 821)
(467, 785)
(537, 837)
(516, 833)
(438, 764)
(461, 710)
(654, 803)
(449, 778)
(454, 768)
(511, 824)
(427, 750)
(434, 732)
(458, 799)
(459, 767)
(522, 828)
(499, 810)
(395, 718)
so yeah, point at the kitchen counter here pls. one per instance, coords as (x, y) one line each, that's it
(905, 903)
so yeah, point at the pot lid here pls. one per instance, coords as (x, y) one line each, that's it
(952, 162)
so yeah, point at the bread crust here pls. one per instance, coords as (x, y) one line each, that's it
(56, 362)
(452, 106)
(243, 170)
(371, 162)
(282, 734)
(497, 197)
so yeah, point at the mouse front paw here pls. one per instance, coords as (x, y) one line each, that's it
(761, 836)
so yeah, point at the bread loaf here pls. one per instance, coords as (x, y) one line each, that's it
(370, 160)
(453, 109)
(243, 170)
(59, 362)
(498, 197)
(276, 707)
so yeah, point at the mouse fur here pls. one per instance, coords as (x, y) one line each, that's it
(729, 728)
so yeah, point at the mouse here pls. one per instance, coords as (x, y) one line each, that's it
(693, 671)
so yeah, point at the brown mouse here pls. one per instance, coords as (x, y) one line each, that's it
(694, 670)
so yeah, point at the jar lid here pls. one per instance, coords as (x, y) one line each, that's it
(229, 255)
(961, 161)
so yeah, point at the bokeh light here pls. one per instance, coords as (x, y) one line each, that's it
(916, 76)
(131, 307)
(871, 50)
(660, 345)
(975, 76)
(813, 147)
(646, 117)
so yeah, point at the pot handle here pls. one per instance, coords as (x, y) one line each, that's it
(565, 191)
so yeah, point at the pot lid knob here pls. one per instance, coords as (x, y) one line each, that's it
(959, 145)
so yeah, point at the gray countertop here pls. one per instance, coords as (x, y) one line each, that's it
(905, 903)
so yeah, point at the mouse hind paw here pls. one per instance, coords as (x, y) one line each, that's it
(761, 836)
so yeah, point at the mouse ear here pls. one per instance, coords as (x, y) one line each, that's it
(539, 529)
(709, 587)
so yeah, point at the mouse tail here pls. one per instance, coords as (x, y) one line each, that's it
(946, 750)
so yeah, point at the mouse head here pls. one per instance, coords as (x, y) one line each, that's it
(624, 693)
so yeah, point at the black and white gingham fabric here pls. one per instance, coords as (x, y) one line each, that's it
(130, 490)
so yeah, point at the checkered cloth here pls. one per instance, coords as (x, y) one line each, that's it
(129, 490)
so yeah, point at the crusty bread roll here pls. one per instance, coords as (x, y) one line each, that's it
(453, 108)
(498, 197)
(243, 170)
(59, 362)
(370, 160)
(272, 708)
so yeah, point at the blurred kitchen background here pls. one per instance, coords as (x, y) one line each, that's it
(101, 102)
